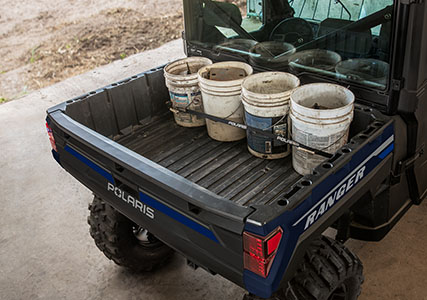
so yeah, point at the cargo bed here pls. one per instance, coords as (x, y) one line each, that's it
(226, 169)
(122, 142)
(134, 113)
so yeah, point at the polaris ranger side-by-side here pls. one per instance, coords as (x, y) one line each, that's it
(160, 187)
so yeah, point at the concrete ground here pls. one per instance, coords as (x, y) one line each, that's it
(45, 248)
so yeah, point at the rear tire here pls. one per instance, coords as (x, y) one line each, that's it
(330, 271)
(122, 241)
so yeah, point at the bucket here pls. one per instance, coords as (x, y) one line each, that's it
(271, 55)
(315, 58)
(321, 115)
(184, 91)
(221, 84)
(240, 46)
(266, 97)
(364, 69)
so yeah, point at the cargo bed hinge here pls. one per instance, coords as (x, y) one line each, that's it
(397, 84)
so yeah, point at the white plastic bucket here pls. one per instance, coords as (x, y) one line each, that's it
(271, 54)
(266, 97)
(184, 91)
(221, 84)
(241, 46)
(314, 58)
(364, 69)
(321, 115)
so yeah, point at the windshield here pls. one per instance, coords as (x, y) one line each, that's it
(348, 40)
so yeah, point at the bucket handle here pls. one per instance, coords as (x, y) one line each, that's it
(275, 124)
(238, 107)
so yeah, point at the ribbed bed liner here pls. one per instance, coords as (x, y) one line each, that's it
(227, 169)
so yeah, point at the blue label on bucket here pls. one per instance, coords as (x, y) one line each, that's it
(263, 144)
(180, 99)
(183, 99)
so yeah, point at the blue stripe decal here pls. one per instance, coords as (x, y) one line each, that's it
(177, 216)
(386, 152)
(90, 163)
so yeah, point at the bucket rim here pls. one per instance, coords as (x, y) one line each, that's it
(345, 118)
(264, 44)
(248, 69)
(283, 102)
(319, 117)
(341, 68)
(182, 61)
(323, 51)
(312, 110)
(286, 93)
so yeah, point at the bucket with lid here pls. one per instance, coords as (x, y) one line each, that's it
(266, 97)
(221, 84)
(184, 91)
(321, 115)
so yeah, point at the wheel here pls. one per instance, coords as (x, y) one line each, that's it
(124, 242)
(329, 271)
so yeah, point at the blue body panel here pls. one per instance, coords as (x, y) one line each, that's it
(323, 197)
(147, 199)
(90, 163)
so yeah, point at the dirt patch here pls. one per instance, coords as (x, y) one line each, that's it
(44, 42)
(111, 35)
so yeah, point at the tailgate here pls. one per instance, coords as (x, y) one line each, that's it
(194, 221)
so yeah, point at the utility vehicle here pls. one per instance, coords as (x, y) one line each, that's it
(161, 188)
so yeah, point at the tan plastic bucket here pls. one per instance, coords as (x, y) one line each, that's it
(184, 91)
(221, 85)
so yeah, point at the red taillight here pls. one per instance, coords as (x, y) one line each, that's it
(273, 242)
(51, 138)
(260, 251)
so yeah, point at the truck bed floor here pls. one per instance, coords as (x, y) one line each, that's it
(227, 169)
